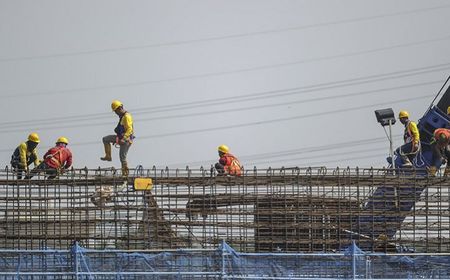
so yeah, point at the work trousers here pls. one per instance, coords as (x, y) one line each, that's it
(406, 150)
(123, 151)
(440, 153)
(19, 168)
(43, 167)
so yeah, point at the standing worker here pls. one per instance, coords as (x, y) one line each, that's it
(56, 160)
(124, 136)
(411, 137)
(441, 152)
(25, 154)
(228, 163)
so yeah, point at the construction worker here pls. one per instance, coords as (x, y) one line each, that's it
(56, 160)
(124, 136)
(228, 164)
(25, 154)
(411, 138)
(441, 152)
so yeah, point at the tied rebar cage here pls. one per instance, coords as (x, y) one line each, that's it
(270, 210)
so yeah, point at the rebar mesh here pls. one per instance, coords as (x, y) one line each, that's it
(273, 210)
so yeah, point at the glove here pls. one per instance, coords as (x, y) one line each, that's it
(443, 161)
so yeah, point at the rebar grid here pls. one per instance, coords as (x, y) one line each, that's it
(271, 210)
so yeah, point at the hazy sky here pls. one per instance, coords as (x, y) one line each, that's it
(282, 83)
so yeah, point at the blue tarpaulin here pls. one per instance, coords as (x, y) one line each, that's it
(221, 263)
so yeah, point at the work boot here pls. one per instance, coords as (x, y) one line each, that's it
(406, 162)
(125, 170)
(432, 170)
(107, 156)
(447, 171)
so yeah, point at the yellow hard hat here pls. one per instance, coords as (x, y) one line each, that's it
(34, 137)
(116, 104)
(62, 140)
(403, 114)
(223, 148)
(448, 110)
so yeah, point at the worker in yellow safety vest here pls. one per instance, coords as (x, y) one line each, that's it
(124, 136)
(25, 154)
(411, 137)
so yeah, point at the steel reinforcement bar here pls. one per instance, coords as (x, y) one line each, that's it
(270, 210)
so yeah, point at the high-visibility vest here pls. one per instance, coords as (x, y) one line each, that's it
(437, 134)
(411, 133)
(120, 128)
(232, 164)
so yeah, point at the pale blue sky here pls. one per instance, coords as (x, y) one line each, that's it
(283, 83)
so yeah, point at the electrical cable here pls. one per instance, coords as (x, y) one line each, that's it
(229, 100)
(220, 73)
(327, 98)
(195, 131)
(223, 37)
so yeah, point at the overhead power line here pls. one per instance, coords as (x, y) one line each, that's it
(223, 37)
(328, 155)
(220, 73)
(327, 98)
(296, 152)
(195, 131)
(249, 124)
(241, 98)
(377, 155)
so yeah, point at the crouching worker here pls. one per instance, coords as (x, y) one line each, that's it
(56, 160)
(441, 152)
(25, 154)
(228, 164)
(411, 137)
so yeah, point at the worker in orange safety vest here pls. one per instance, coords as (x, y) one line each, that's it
(228, 163)
(441, 151)
(56, 160)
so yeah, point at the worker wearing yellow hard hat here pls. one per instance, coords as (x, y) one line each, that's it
(124, 136)
(25, 154)
(56, 159)
(411, 137)
(228, 163)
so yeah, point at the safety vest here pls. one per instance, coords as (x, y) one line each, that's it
(232, 165)
(58, 157)
(437, 133)
(30, 156)
(120, 128)
(411, 132)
